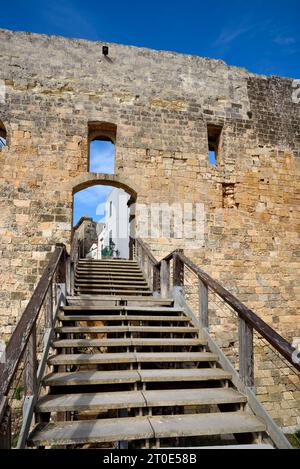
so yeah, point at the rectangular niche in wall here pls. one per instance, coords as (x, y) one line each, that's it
(213, 137)
(228, 195)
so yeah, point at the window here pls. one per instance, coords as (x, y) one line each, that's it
(110, 208)
(2, 135)
(213, 135)
(101, 139)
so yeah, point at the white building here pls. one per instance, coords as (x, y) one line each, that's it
(115, 226)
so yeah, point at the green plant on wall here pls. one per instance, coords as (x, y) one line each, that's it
(18, 392)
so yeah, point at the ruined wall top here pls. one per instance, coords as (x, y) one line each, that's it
(54, 64)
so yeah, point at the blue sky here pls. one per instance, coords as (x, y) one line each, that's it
(91, 201)
(260, 35)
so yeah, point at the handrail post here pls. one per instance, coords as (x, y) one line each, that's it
(142, 264)
(246, 365)
(149, 271)
(203, 303)
(68, 275)
(49, 307)
(164, 278)
(178, 271)
(5, 423)
(74, 256)
(136, 249)
(156, 278)
(30, 365)
(72, 278)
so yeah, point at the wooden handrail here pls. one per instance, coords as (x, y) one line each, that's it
(266, 331)
(246, 314)
(147, 251)
(74, 254)
(17, 344)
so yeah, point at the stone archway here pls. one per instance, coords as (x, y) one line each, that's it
(87, 180)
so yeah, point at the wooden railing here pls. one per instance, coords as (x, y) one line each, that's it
(75, 255)
(22, 356)
(248, 320)
(148, 264)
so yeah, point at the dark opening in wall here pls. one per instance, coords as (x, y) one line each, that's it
(101, 140)
(3, 135)
(213, 136)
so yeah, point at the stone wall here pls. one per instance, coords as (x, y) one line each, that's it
(161, 103)
(86, 229)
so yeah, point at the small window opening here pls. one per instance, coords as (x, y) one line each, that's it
(3, 135)
(101, 137)
(110, 208)
(213, 135)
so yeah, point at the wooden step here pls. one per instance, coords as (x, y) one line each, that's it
(124, 329)
(100, 300)
(128, 357)
(113, 291)
(175, 357)
(76, 378)
(90, 431)
(106, 280)
(184, 375)
(166, 426)
(101, 262)
(137, 428)
(106, 270)
(122, 342)
(124, 317)
(111, 261)
(108, 274)
(114, 260)
(114, 276)
(108, 286)
(136, 399)
(91, 359)
(111, 286)
(126, 309)
(192, 397)
(91, 401)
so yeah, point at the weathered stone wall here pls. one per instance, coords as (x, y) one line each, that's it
(86, 229)
(161, 103)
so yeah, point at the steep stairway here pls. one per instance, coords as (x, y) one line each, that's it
(110, 277)
(132, 371)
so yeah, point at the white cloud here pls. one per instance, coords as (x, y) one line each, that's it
(229, 35)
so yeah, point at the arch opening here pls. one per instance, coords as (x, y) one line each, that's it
(104, 219)
(101, 147)
(3, 135)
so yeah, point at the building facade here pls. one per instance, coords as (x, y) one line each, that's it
(164, 111)
(116, 224)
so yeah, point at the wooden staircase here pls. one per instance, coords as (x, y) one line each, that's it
(132, 371)
(110, 277)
